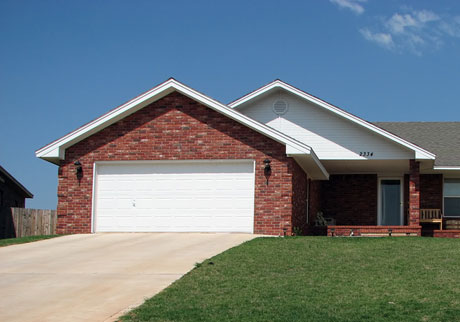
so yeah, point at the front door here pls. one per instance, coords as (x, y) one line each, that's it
(390, 202)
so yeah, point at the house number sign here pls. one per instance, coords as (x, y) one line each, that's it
(366, 154)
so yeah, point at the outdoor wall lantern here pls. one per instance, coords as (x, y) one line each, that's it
(267, 169)
(78, 169)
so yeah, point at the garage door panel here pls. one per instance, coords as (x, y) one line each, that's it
(175, 196)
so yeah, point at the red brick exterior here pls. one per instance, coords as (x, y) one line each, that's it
(431, 191)
(393, 231)
(299, 198)
(414, 193)
(406, 199)
(350, 199)
(314, 200)
(447, 233)
(178, 128)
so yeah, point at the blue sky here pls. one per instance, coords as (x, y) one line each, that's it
(64, 63)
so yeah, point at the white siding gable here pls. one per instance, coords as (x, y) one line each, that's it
(331, 136)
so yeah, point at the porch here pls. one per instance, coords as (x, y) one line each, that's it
(411, 204)
(373, 231)
(432, 224)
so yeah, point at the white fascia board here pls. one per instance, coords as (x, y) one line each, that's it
(420, 153)
(447, 168)
(291, 150)
(243, 119)
(311, 165)
(57, 148)
(315, 158)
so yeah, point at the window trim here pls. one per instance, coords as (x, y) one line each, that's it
(444, 198)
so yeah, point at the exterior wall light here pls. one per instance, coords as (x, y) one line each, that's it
(267, 169)
(78, 169)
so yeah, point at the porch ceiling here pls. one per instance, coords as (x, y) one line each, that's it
(366, 166)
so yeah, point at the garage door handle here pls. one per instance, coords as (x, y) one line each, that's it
(134, 203)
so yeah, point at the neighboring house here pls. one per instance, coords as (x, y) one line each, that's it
(12, 194)
(174, 159)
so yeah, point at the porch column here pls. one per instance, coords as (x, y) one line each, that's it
(414, 193)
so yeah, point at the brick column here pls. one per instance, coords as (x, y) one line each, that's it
(414, 193)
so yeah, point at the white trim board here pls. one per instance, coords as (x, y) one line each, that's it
(420, 153)
(447, 168)
(55, 151)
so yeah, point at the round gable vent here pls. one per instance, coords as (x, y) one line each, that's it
(280, 107)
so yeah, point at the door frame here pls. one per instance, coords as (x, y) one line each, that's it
(379, 199)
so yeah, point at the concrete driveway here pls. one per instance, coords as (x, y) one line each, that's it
(97, 277)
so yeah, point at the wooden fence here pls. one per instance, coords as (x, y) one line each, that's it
(21, 222)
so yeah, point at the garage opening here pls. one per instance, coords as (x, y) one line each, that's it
(174, 196)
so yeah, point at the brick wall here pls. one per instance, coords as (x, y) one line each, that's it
(350, 199)
(414, 193)
(314, 202)
(447, 233)
(431, 186)
(431, 191)
(373, 231)
(299, 197)
(406, 199)
(177, 128)
(314, 206)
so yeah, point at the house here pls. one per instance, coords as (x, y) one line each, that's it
(174, 159)
(12, 194)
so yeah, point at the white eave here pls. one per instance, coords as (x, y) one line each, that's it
(446, 168)
(55, 151)
(420, 153)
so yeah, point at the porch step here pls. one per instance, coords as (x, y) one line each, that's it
(373, 231)
(447, 233)
(452, 224)
(387, 234)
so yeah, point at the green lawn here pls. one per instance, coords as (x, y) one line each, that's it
(22, 240)
(318, 279)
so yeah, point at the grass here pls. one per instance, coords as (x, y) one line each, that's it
(317, 279)
(23, 240)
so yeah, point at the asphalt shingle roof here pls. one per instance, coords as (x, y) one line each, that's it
(440, 138)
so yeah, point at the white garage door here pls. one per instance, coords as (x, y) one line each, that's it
(175, 196)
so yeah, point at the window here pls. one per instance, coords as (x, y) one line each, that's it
(452, 197)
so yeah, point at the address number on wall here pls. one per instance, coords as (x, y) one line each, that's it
(366, 154)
